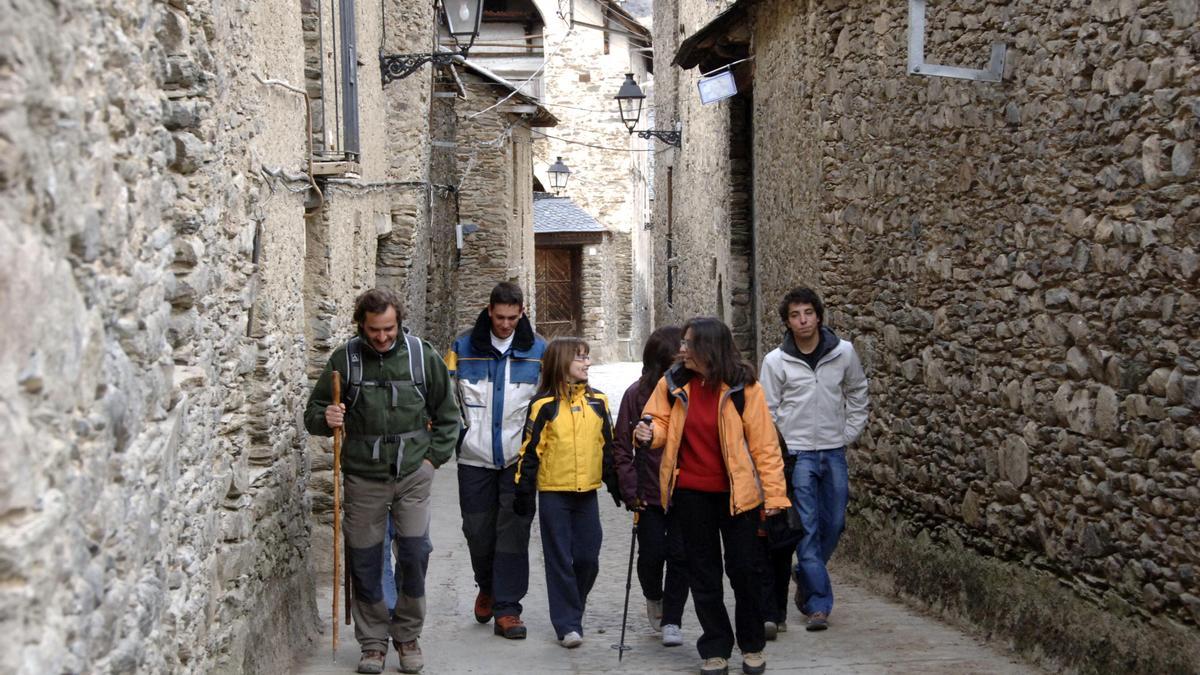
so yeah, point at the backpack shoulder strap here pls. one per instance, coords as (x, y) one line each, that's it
(739, 401)
(416, 365)
(354, 371)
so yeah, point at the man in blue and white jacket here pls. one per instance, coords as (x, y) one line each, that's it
(817, 392)
(495, 367)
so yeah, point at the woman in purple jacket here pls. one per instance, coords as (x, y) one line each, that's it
(637, 470)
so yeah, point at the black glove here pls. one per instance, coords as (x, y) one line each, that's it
(525, 504)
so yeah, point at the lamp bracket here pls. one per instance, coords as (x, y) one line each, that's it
(916, 53)
(674, 138)
(399, 66)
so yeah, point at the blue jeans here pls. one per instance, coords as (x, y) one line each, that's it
(820, 490)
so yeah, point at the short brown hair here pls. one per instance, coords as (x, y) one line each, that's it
(376, 301)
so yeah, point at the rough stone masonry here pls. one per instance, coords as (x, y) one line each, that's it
(1017, 263)
(152, 507)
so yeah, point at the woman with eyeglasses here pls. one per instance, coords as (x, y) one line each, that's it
(565, 456)
(720, 466)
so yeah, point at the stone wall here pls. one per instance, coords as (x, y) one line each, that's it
(152, 503)
(495, 193)
(608, 179)
(1017, 265)
(694, 185)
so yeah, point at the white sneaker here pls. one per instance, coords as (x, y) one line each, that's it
(672, 635)
(654, 613)
(572, 640)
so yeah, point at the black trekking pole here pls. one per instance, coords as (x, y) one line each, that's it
(628, 584)
(620, 647)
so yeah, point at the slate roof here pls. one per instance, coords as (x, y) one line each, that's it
(560, 214)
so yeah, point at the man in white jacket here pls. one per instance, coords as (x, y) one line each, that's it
(495, 367)
(817, 392)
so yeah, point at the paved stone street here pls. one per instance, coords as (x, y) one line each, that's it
(869, 634)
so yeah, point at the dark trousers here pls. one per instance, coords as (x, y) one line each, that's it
(705, 523)
(497, 538)
(775, 582)
(659, 543)
(571, 538)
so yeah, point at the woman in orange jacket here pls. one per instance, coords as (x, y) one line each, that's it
(720, 466)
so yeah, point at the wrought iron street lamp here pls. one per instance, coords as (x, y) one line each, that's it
(559, 173)
(629, 100)
(462, 22)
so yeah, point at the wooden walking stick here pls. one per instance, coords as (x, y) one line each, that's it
(337, 510)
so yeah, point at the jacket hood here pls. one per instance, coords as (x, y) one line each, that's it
(677, 376)
(481, 334)
(829, 341)
(680, 375)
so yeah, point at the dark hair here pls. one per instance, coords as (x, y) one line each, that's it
(659, 353)
(555, 362)
(802, 295)
(712, 345)
(506, 293)
(376, 301)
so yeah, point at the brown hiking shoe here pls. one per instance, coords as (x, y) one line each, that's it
(483, 607)
(371, 662)
(510, 627)
(411, 659)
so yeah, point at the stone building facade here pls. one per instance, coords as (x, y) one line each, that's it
(179, 256)
(583, 51)
(1017, 264)
(494, 156)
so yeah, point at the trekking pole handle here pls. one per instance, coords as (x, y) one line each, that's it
(648, 421)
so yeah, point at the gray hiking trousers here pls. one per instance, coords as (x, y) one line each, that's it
(367, 506)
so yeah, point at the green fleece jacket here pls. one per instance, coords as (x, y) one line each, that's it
(371, 448)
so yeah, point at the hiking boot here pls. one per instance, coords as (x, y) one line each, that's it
(714, 666)
(411, 660)
(509, 627)
(654, 613)
(371, 662)
(672, 635)
(817, 621)
(572, 640)
(754, 663)
(770, 630)
(483, 607)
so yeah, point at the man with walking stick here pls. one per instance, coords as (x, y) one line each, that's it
(400, 422)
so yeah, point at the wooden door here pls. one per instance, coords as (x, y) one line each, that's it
(557, 276)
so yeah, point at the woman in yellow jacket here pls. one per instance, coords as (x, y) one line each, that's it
(566, 454)
(720, 466)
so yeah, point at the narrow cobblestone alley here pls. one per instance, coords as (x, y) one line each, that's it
(870, 634)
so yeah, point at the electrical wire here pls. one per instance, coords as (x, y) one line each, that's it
(589, 145)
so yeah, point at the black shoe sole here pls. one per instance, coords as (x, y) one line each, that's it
(816, 627)
(517, 634)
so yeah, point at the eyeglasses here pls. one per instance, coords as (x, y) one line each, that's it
(586, 358)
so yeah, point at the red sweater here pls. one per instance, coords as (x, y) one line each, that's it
(701, 465)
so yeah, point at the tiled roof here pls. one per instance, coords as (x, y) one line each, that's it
(560, 214)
